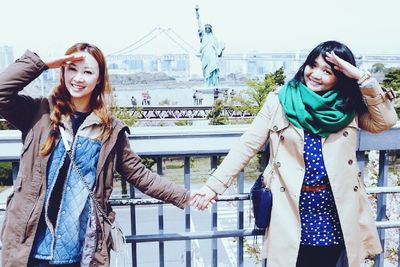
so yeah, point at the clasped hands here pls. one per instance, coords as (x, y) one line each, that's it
(203, 198)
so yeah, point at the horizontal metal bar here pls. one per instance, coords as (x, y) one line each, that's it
(221, 234)
(388, 224)
(195, 141)
(193, 235)
(236, 197)
(383, 190)
(152, 201)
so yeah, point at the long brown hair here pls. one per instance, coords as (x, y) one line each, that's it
(99, 102)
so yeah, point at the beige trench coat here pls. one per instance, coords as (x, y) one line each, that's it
(339, 151)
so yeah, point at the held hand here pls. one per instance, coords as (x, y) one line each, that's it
(343, 66)
(204, 199)
(58, 62)
(194, 195)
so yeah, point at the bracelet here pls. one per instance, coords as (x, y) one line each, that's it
(364, 77)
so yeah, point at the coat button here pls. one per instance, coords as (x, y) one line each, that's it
(278, 164)
(345, 133)
(355, 188)
(275, 128)
(359, 174)
(79, 145)
(282, 189)
(282, 137)
(350, 162)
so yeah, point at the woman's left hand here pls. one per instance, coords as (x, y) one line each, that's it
(343, 66)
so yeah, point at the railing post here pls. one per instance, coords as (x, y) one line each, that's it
(188, 246)
(240, 217)
(160, 219)
(398, 252)
(361, 162)
(15, 169)
(214, 221)
(133, 225)
(381, 206)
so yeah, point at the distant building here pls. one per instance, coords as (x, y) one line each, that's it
(253, 65)
(174, 65)
(6, 56)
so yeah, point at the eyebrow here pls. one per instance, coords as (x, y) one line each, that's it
(324, 65)
(73, 64)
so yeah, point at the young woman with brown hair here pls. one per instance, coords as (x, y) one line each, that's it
(51, 220)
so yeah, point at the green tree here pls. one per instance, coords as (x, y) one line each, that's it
(184, 123)
(253, 98)
(279, 76)
(216, 115)
(378, 67)
(5, 167)
(392, 80)
(129, 118)
(5, 125)
(5, 173)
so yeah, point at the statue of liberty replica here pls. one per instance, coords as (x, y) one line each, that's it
(210, 52)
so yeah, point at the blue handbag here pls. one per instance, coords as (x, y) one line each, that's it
(261, 198)
(261, 195)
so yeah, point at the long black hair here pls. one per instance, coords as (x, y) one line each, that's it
(348, 87)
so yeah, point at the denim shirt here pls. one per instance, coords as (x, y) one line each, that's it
(62, 243)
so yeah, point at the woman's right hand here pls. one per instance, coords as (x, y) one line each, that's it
(204, 199)
(343, 66)
(58, 62)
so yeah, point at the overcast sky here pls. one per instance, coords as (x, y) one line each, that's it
(51, 26)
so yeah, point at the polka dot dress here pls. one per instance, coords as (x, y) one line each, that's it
(319, 219)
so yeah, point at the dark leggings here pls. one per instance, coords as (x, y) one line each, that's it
(322, 256)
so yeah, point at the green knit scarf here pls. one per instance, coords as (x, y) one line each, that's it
(310, 111)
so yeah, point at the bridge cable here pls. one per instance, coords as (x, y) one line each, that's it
(135, 48)
(177, 43)
(183, 40)
(131, 45)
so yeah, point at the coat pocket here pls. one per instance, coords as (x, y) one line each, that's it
(26, 199)
(29, 210)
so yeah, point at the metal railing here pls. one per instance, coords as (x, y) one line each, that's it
(214, 141)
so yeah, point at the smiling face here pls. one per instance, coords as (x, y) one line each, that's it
(319, 76)
(81, 79)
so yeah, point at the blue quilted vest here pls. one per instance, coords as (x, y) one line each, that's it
(66, 244)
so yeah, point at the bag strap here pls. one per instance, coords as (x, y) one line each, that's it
(82, 178)
(273, 162)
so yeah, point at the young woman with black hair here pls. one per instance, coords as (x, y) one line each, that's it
(320, 214)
